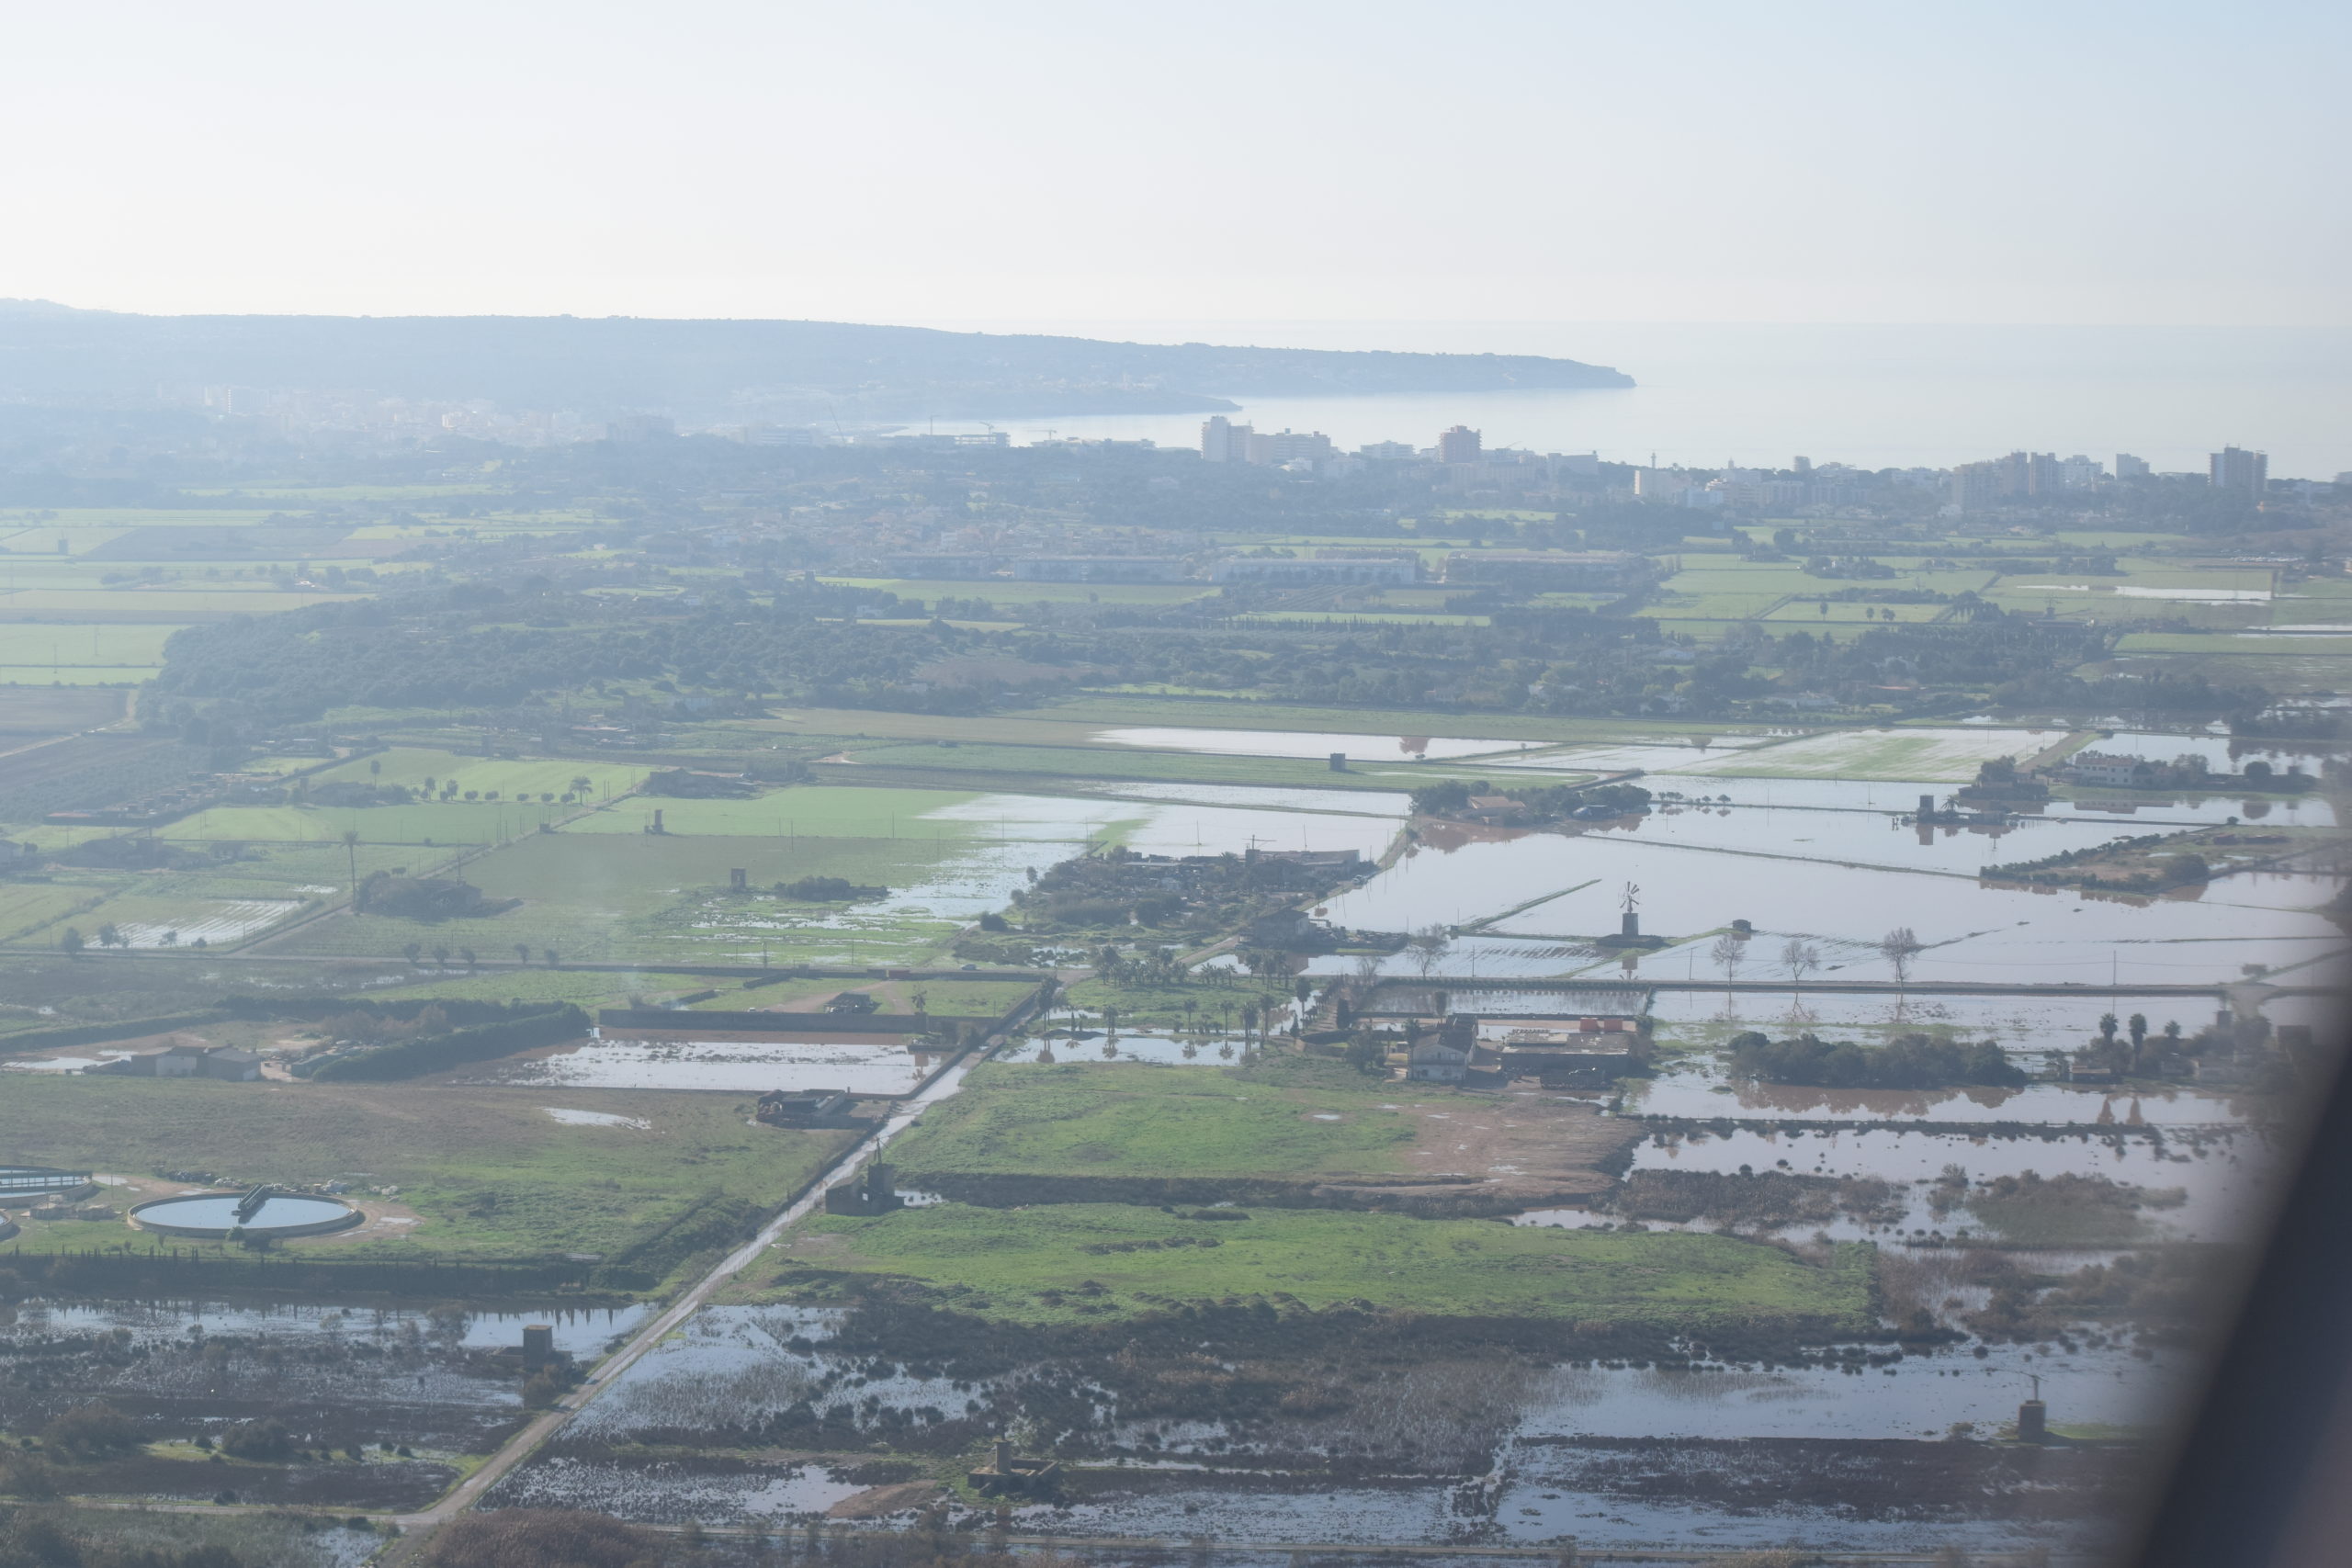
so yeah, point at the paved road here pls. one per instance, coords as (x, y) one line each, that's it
(419, 1527)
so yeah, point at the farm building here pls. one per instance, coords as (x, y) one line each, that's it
(187, 1062)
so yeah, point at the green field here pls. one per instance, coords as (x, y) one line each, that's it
(1008, 594)
(1155, 1122)
(631, 897)
(1801, 613)
(438, 824)
(1029, 763)
(487, 1172)
(801, 811)
(1074, 1263)
(1109, 711)
(512, 778)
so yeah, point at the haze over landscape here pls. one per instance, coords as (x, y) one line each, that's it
(990, 788)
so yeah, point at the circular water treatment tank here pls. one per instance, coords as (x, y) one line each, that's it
(40, 1183)
(214, 1217)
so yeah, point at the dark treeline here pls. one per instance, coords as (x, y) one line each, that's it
(1911, 1060)
(479, 646)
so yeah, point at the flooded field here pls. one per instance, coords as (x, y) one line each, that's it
(1293, 743)
(1705, 1093)
(1831, 1454)
(1860, 876)
(862, 1067)
(373, 1407)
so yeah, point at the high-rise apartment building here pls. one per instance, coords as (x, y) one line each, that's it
(1976, 486)
(2045, 475)
(2248, 473)
(1286, 447)
(1460, 445)
(2126, 466)
(2080, 472)
(1222, 441)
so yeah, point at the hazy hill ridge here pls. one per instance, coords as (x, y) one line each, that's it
(701, 369)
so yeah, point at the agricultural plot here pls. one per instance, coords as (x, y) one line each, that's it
(482, 1174)
(511, 779)
(227, 901)
(1286, 1132)
(635, 896)
(39, 644)
(1082, 1263)
(1013, 594)
(1029, 763)
(436, 825)
(1928, 755)
(27, 713)
(29, 910)
(1245, 713)
(1156, 1121)
(162, 605)
(1819, 612)
(799, 812)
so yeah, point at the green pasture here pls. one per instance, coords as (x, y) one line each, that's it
(630, 898)
(2282, 672)
(1109, 711)
(1013, 594)
(1804, 614)
(96, 645)
(1365, 618)
(434, 825)
(955, 997)
(1136, 1121)
(489, 1174)
(2235, 645)
(1080, 1263)
(161, 604)
(512, 778)
(29, 910)
(796, 811)
(73, 675)
(1073, 764)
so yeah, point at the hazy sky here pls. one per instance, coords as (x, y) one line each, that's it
(1883, 161)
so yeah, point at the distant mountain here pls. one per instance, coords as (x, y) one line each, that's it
(702, 370)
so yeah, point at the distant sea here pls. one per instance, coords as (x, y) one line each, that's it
(1759, 395)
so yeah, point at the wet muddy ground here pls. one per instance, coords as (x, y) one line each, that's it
(352, 1390)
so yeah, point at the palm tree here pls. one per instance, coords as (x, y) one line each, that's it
(582, 786)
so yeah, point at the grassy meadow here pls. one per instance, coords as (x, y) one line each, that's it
(486, 1173)
(1093, 1263)
(1155, 1121)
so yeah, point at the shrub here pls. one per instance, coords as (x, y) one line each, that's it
(90, 1431)
(542, 1538)
(265, 1439)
